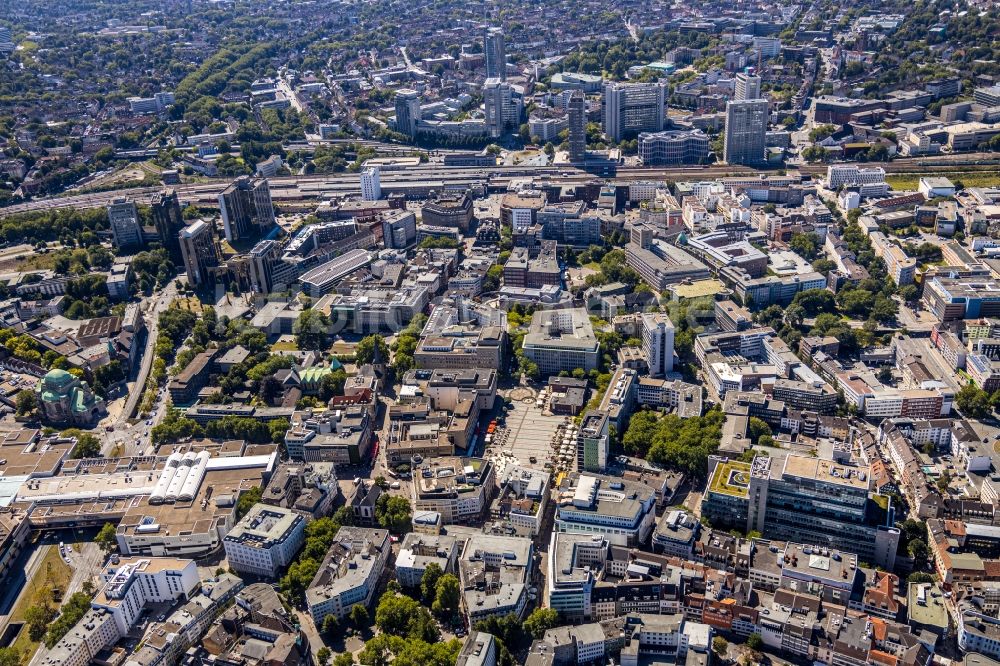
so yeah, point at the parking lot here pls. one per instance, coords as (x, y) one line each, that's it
(526, 434)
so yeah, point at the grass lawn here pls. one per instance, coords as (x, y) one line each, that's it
(37, 262)
(909, 181)
(191, 304)
(283, 345)
(53, 573)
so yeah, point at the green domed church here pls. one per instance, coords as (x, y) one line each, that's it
(66, 400)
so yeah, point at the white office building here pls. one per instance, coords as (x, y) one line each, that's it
(349, 573)
(624, 512)
(265, 540)
(418, 551)
(371, 184)
(747, 86)
(869, 181)
(135, 582)
(658, 343)
(129, 587)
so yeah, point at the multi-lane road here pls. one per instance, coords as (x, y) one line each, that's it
(132, 438)
(306, 188)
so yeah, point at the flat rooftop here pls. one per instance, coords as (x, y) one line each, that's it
(827, 471)
(730, 477)
(561, 328)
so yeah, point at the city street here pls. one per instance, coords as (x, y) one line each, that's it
(130, 437)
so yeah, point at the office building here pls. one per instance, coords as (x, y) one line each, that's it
(620, 510)
(502, 106)
(247, 212)
(658, 343)
(661, 264)
(480, 649)
(261, 262)
(568, 223)
(676, 533)
(988, 97)
(349, 574)
(155, 104)
(951, 298)
(407, 111)
(125, 226)
(562, 340)
(587, 83)
(577, 115)
(269, 168)
(265, 541)
(495, 51)
(673, 147)
(460, 489)
(198, 252)
(519, 210)
(371, 185)
(523, 497)
(533, 268)
(747, 87)
(133, 582)
(546, 129)
(802, 499)
(495, 573)
(462, 335)
(838, 110)
(902, 268)
(574, 564)
(593, 442)
(322, 279)
(165, 209)
(184, 386)
(870, 181)
(746, 127)
(417, 551)
(448, 209)
(631, 108)
(399, 229)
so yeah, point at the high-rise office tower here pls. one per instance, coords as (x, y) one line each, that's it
(496, 54)
(371, 184)
(577, 111)
(503, 109)
(746, 127)
(168, 220)
(592, 442)
(747, 87)
(407, 111)
(199, 252)
(246, 208)
(260, 265)
(658, 343)
(630, 108)
(125, 226)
